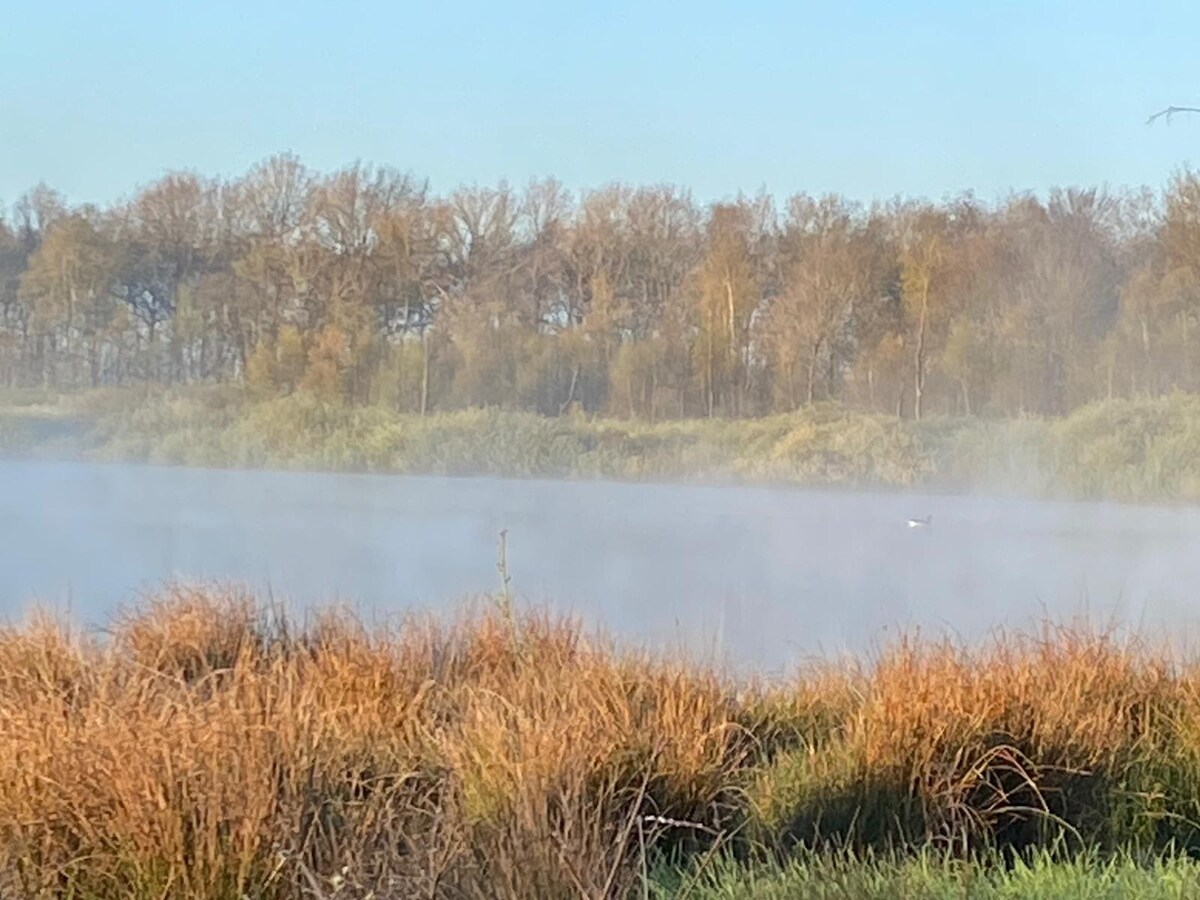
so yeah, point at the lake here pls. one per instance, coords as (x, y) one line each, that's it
(759, 577)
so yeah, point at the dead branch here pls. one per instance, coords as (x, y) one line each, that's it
(1171, 111)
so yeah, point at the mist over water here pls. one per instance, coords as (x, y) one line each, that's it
(757, 577)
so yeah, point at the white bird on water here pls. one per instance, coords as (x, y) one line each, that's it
(921, 523)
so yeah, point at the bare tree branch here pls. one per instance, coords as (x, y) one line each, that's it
(1170, 111)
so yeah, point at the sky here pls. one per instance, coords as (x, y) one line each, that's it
(869, 98)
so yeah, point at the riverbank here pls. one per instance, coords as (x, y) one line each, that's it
(1121, 450)
(209, 748)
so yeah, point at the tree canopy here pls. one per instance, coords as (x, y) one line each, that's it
(365, 287)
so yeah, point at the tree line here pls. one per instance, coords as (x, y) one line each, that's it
(364, 287)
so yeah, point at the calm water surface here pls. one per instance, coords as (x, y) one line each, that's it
(759, 577)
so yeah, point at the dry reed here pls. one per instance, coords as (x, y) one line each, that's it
(207, 747)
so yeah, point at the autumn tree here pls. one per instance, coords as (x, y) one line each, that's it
(362, 286)
(922, 257)
(69, 286)
(827, 267)
(726, 297)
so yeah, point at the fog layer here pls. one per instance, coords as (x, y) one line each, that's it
(759, 577)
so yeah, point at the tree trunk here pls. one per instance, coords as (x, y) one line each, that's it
(793, 400)
(812, 373)
(919, 375)
(562, 408)
(733, 348)
(1185, 331)
(93, 362)
(1150, 376)
(424, 373)
(711, 399)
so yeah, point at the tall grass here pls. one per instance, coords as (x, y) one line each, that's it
(207, 747)
(1121, 449)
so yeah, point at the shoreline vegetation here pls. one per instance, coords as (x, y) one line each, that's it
(205, 746)
(1123, 450)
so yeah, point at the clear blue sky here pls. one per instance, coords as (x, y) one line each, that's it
(870, 98)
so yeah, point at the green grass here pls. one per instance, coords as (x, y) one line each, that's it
(929, 876)
(1128, 450)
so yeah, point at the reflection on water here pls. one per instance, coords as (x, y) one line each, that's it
(760, 576)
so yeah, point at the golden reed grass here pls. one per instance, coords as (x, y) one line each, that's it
(206, 747)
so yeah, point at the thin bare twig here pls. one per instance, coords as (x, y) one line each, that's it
(1171, 111)
(505, 597)
(680, 823)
